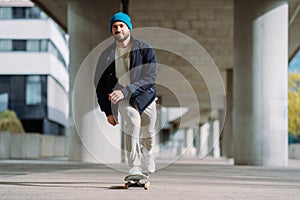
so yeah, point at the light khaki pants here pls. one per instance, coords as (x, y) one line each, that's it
(139, 130)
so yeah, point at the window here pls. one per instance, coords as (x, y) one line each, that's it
(5, 45)
(32, 13)
(52, 48)
(19, 45)
(22, 13)
(5, 13)
(32, 45)
(33, 90)
(44, 45)
(19, 12)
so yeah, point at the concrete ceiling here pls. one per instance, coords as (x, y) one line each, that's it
(294, 27)
(57, 9)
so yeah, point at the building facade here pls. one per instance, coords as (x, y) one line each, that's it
(34, 59)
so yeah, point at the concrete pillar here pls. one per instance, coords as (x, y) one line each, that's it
(214, 138)
(179, 139)
(88, 26)
(260, 82)
(188, 137)
(204, 137)
(198, 141)
(161, 122)
(227, 134)
(189, 141)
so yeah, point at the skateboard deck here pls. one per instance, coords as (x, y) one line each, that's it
(137, 180)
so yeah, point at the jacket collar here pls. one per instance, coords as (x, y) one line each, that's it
(111, 56)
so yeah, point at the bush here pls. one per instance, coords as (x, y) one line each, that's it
(10, 122)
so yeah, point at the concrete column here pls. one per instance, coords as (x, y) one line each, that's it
(88, 26)
(227, 134)
(161, 122)
(189, 141)
(204, 137)
(214, 138)
(198, 141)
(260, 82)
(188, 137)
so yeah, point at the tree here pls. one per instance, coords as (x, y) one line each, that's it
(294, 103)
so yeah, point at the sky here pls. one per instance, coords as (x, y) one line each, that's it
(294, 65)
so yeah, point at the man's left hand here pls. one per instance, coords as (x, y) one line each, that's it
(116, 96)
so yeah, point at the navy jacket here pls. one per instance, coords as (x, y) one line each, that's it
(143, 73)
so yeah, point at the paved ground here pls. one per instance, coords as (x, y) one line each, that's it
(186, 179)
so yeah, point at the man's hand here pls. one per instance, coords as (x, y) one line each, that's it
(112, 120)
(116, 96)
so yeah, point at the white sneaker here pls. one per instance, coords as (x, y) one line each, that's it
(135, 171)
(149, 160)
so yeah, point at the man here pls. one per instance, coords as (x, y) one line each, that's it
(128, 72)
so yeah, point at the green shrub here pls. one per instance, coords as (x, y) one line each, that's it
(10, 122)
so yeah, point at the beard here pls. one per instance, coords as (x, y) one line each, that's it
(121, 37)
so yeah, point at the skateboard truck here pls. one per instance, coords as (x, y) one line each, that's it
(135, 181)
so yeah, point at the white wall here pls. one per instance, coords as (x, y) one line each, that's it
(57, 101)
(34, 63)
(34, 29)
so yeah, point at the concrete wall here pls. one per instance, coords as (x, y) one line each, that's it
(35, 146)
(24, 146)
(294, 151)
(31, 146)
(4, 145)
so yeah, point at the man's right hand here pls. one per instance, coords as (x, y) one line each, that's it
(112, 120)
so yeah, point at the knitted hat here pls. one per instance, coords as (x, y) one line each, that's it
(122, 17)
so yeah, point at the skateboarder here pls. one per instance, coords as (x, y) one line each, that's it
(126, 74)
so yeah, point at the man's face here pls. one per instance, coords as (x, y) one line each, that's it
(120, 31)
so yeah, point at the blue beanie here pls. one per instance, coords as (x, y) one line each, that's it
(120, 17)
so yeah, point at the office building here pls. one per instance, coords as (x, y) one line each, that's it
(34, 60)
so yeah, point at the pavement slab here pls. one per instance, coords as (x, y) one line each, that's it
(184, 179)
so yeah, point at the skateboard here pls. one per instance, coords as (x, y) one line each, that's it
(137, 181)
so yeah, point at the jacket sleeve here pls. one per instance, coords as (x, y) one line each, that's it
(102, 89)
(148, 75)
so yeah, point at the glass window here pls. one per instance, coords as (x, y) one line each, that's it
(44, 16)
(44, 44)
(33, 90)
(5, 13)
(33, 13)
(19, 45)
(52, 49)
(32, 45)
(5, 45)
(19, 13)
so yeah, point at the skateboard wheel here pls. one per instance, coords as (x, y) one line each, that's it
(147, 186)
(126, 185)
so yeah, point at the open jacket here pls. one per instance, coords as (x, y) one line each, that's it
(143, 73)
